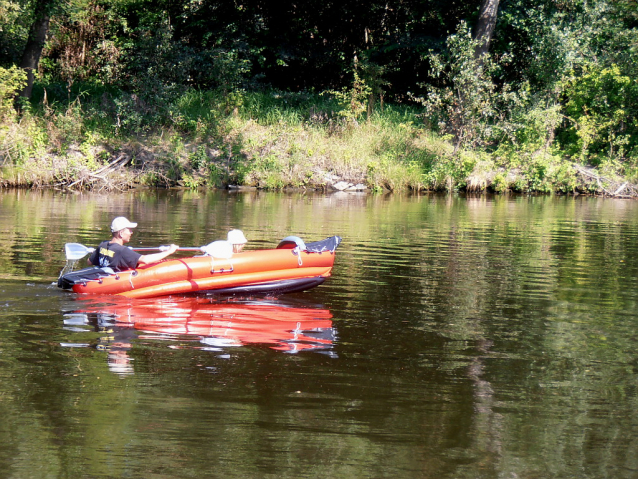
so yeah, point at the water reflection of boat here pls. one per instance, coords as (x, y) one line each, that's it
(282, 326)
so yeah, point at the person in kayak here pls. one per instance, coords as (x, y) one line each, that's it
(237, 239)
(113, 254)
(224, 249)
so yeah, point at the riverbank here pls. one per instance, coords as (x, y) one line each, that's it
(112, 141)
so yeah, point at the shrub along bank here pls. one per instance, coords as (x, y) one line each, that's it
(90, 137)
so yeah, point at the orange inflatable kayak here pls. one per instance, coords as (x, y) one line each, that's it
(292, 266)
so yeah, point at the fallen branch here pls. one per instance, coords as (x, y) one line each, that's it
(119, 162)
(110, 164)
(617, 192)
(609, 186)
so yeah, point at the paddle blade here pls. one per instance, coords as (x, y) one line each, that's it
(75, 251)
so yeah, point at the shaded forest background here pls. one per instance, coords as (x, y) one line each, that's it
(432, 94)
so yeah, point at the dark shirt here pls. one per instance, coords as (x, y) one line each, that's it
(114, 256)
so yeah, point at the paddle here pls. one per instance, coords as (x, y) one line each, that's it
(218, 249)
(75, 251)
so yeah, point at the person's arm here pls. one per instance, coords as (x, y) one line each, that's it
(155, 257)
(94, 257)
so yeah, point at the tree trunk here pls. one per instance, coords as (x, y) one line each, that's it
(485, 26)
(35, 44)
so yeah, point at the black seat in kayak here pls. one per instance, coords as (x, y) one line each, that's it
(87, 274)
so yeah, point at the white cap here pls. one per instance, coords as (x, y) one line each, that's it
(236, 237)
(120, 223)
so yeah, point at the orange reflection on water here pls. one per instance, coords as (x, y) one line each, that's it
(223, 324)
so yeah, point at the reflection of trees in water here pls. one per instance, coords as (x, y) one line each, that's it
(518, 290)
(487, 430)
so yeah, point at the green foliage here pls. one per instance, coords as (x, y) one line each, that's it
(9, 10)
(373, 75)
(131, 114)
(467, 102)
(535, 126)
(449, 173)
(353, 100)
(499, 183)
(271, 169)
(198, 158)
(161, 65)
(190, 181)
(174, 169)
(222, 68)
(274, 107)
(598, 105)
(85, 44)
(9, 13)
(12, 80)
(158, 68)
(391, 151)
(217, 175)
(189, 81)
(538, 174)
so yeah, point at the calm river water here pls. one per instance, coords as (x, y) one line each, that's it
(482, 337)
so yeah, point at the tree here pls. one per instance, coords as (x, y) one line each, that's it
(35, 43)
(485, 26)
(466, 103)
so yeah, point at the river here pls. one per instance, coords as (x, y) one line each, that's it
(458, 337)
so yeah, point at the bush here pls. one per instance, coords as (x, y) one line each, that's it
(12, 81)
(597, 106)
(465, 103)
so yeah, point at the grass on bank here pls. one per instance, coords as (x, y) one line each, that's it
(269, 140)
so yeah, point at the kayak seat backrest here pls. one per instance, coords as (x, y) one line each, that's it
(93, 273)
(291, 242)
